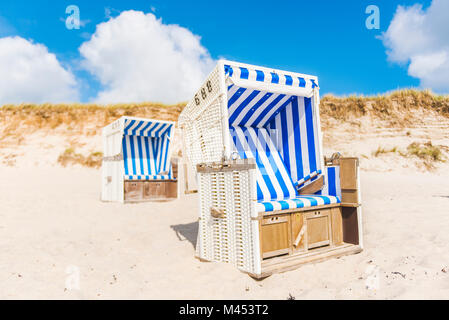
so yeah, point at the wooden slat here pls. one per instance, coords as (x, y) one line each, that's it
(150, 190)
(275, 236)
(352, 205)
(275, 219)
(348, 173)
(312, 187)
(291, 262)
(349, 196)
(337, 226)
(274, 253)
(133, 191)
(317, 230)
(350, 225)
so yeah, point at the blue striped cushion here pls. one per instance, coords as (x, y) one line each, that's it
(305, 201)
(273, 180)
(147, 177)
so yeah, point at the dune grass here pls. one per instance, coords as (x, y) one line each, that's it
(86, 119)
(70, 157)
(380, 150)
(399, 108)
(426, 153)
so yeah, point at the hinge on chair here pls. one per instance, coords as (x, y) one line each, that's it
(334, 160)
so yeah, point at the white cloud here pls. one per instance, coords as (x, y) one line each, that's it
(420, 39)
(138, 58)
(29, 73)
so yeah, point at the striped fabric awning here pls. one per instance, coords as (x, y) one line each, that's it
(146, 128)
(254, 108)
(290, 121)
(270, 80)
(145, 147)
(272, 120)
(145, 156)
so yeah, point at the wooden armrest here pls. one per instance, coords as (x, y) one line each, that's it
(233, 165)
(313, 187)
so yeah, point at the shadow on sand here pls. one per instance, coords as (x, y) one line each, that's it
(188, 231)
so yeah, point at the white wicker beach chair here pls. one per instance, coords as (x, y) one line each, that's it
(137, 164)
(267, 201)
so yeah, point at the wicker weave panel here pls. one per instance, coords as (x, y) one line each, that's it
(234, 237)
(202, 122)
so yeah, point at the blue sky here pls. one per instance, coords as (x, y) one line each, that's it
(324, 38)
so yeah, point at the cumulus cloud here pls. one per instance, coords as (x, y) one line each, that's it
(419, 39)
(137, 57)
(29, 73)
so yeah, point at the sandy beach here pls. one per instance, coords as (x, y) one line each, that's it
(322, 133)
(58, 240)
(54, 228)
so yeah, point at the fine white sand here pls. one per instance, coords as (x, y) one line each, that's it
(53, 227)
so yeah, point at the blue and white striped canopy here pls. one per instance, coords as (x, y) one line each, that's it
(248, 74)
(276, 126)
(254, 108)
(145, 147)
(145, 156)
(146, 128)
(290, 122)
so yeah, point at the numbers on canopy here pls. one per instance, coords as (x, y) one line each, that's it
(203, 93)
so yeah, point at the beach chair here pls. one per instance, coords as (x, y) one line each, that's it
(137, 165)
(268, 203)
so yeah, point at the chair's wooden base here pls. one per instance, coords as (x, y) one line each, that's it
(288, 240)
(150, 190)
(290, 262)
